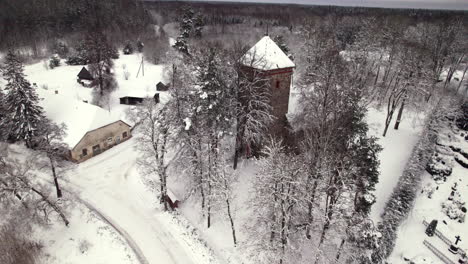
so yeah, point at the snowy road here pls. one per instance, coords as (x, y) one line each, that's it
(110, 184)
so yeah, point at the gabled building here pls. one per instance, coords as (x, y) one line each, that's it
(90, 129)
(266, 60)
(84, 77)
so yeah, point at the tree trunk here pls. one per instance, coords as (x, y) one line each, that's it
(462, 78)
(310, 209)
(231, 220)
(54, 174)
(52, 205)
(340, 249)
(400, 113)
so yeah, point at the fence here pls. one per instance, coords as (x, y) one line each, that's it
(437, 252)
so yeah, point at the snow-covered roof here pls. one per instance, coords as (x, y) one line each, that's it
(266, 55)
(78, 116)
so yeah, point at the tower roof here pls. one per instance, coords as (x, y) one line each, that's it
(266, 55)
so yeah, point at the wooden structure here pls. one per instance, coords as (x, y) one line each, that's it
(84, 74)
(137, 100)
(172, 200)
(162, 87)
(130, 100)
(266, 60)
(98, 140)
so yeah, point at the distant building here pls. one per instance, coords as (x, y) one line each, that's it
(84, 77)
(162, 87)
(90, 129)
(130, 100)
(136, 100)
(266, 60)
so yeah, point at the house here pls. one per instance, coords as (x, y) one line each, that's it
(162, 87)
(266, 60)
(84, 74)
(136, 100)
(84, 77)
(91, 130)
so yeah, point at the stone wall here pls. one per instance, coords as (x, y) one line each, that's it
(280, 85)
(99, 140)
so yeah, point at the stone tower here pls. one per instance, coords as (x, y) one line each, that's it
(268, 61)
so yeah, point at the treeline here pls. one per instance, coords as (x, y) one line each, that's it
(30, 23)
(217, 13)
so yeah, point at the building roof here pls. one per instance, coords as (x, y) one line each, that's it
(85, 75)
(266, 56)
(79, 117)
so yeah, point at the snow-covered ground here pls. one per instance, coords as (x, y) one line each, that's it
(428, 209)
(397, 147)
(88, 239)
(111, 184)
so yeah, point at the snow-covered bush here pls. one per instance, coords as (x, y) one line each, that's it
(128, 49)
(54, 61)
(84, 246)
(455, 207)
(439, 167)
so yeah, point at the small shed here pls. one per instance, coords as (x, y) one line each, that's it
(161, 87)
(136, 100)
(130, 100)
(85, 75)
(172, 200)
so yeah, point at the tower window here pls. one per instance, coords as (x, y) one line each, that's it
(277, 84)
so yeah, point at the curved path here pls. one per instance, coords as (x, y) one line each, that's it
(110, 185)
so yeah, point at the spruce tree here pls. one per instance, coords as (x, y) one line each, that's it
(2, 113)
(23, 114)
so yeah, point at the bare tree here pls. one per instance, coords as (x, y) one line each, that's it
(51, 144)
(17, 182)
(153, 143)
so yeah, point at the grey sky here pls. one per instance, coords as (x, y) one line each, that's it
(429, 4)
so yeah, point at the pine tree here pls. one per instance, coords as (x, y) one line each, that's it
(2, 113)
(198, 25)
(282, 44)
(23, 114)
(186, 23)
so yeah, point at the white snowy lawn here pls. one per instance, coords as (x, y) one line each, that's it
(397, 147)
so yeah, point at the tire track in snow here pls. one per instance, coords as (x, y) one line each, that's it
(131, 243)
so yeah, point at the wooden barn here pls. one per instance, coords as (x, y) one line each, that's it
(162, 87)
(84, 77)
(84, 74)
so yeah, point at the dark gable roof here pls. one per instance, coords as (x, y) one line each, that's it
(85, 75)
(161, 87)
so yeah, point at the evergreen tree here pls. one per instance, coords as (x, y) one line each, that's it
(198, 25)
(186, 23)
(282, 44)
(23, 114)
(181, 45)
(2, 114)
